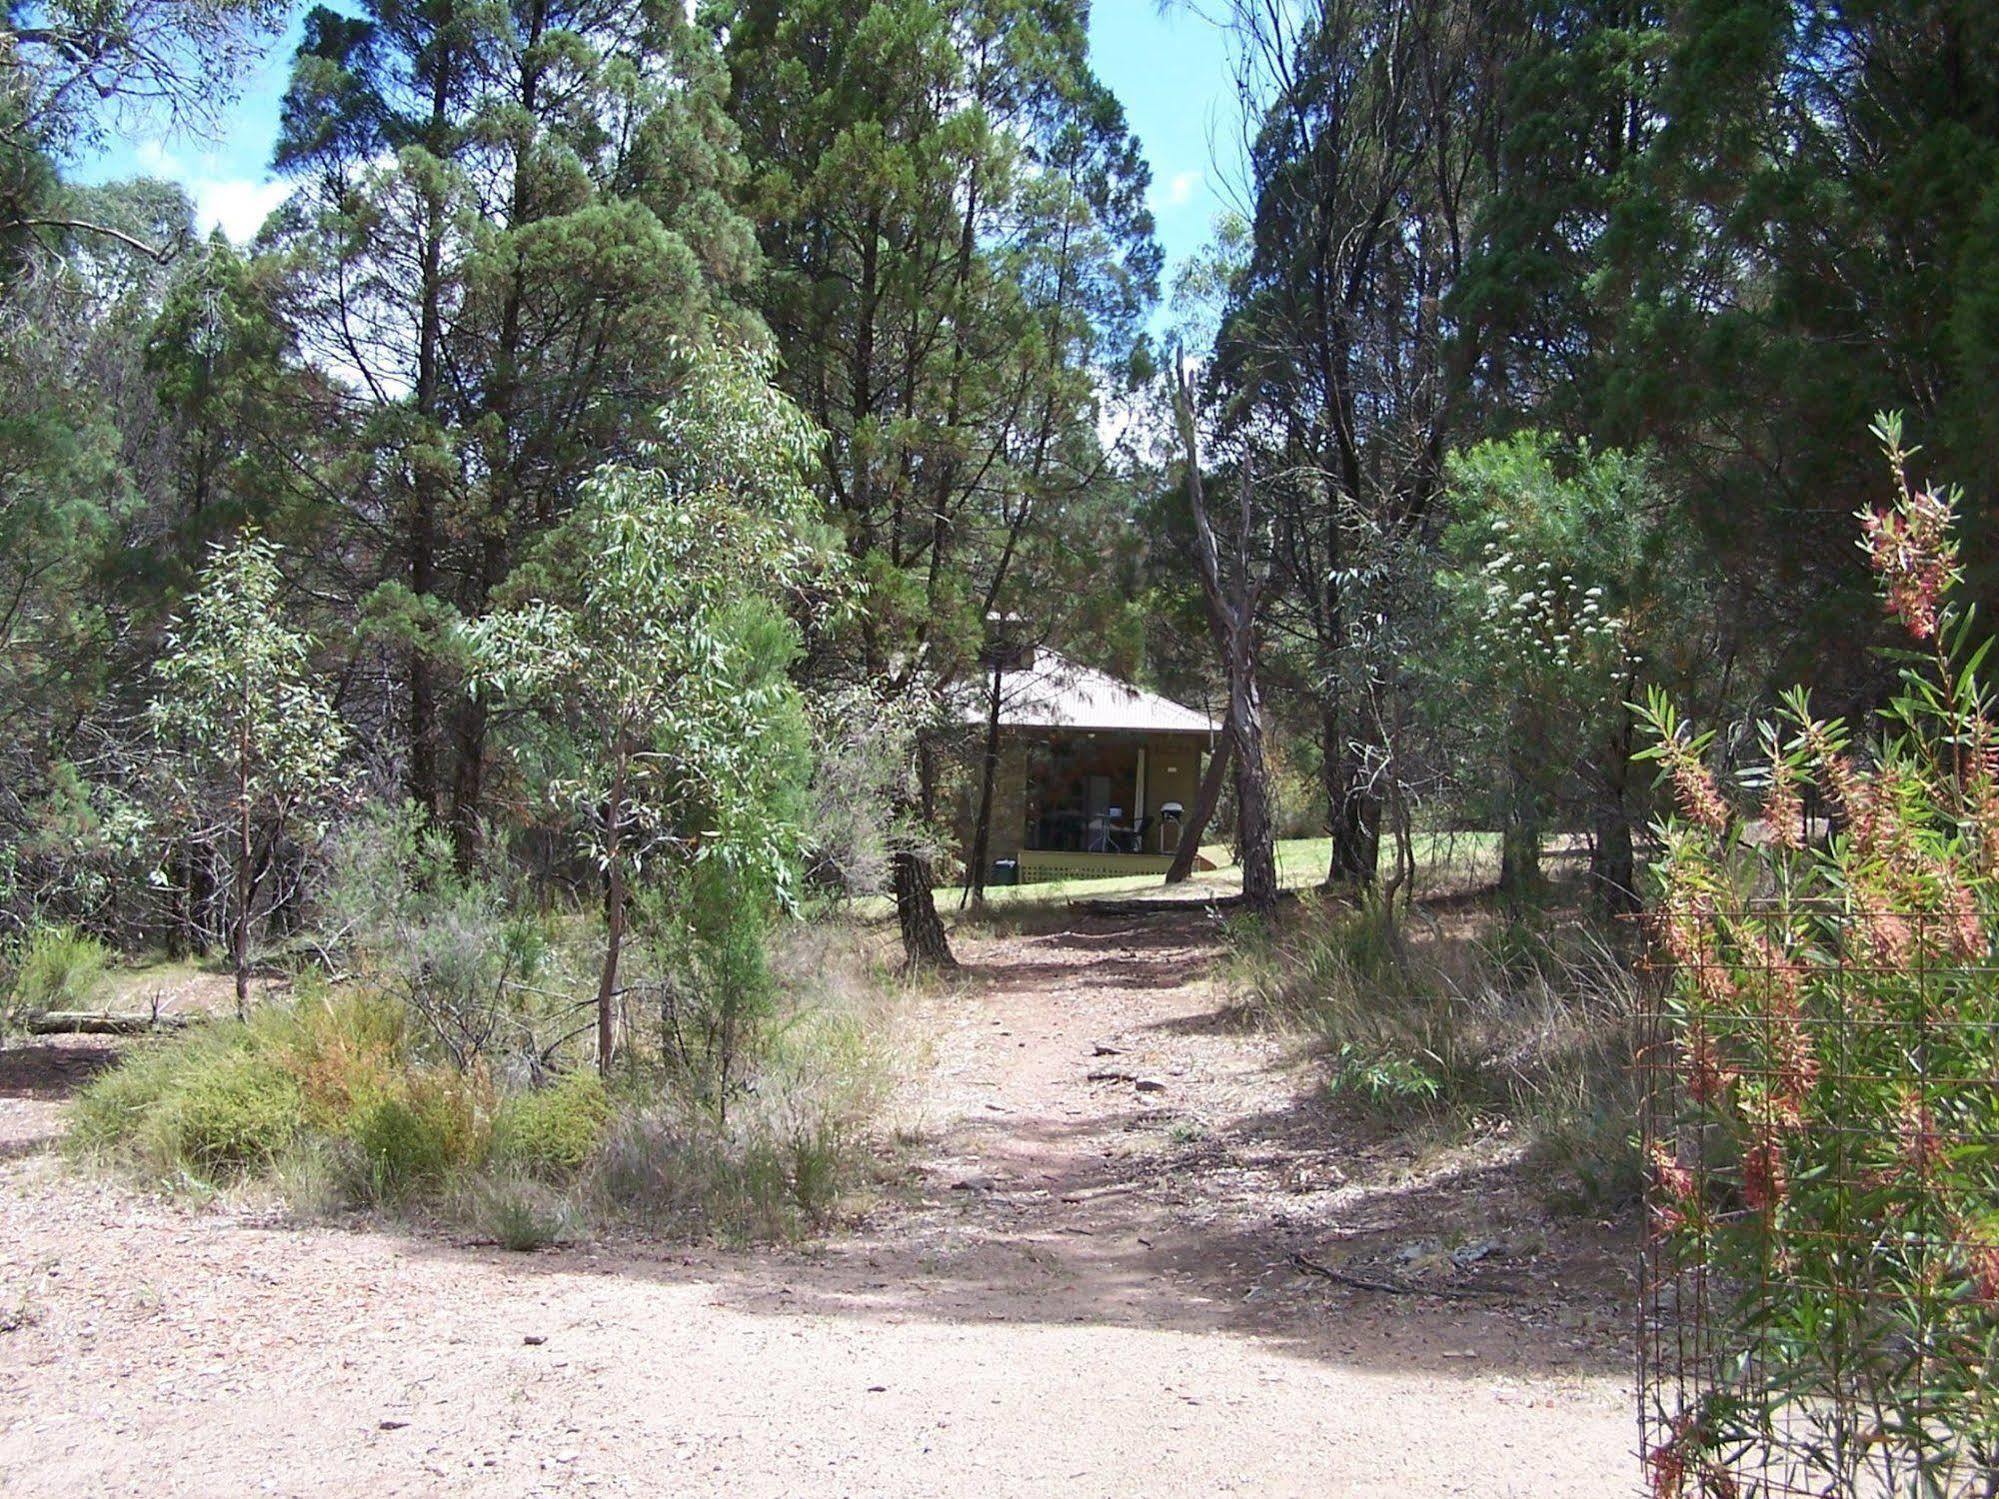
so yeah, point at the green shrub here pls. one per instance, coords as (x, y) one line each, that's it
(205, 1108)
(231, 1115)
(399, 1150)
(796, 1144)
(59, 968)
(709, 937)
(329, 1100)
(234, 1098)
(674, 1168)
(463, 954)
(1381, 1077)
(518, 1213)
(818, 1164)
(411, 1138)
(746, 1186)
(317, 1176)
(1585, 1147)
(112, 1107)
(346, 1053)
(1406, 1024)
(552, 1131)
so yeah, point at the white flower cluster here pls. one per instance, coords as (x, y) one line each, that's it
(1543, 614)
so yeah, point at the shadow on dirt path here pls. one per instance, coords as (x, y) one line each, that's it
(1107, 1140)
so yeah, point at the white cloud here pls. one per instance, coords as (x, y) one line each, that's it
(1179, 189)
(238, 206)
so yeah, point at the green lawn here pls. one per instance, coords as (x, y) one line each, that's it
(1443, 859)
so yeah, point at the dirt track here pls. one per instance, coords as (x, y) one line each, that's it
(1090, 1291)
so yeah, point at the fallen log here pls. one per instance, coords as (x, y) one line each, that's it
(99, 1023)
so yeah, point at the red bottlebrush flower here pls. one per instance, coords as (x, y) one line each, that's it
(1793, 1065)
(1680, 928)
(1783, 813)
(1781, 975)
(1765, 1179)
(1983, 800)
(1674, 1179)
(1680, 1457)
(1695, 791)
(1888, 936)
(1668, 1468)
(1967, 927)
(1717, 984)
(1850, 791)
(1836, 772)
(1673, 1197)
(1916, 1129)
(1912, 549)
(1707, 1079)
(1686, 926)
(1871, 820)
(1981, 1258)
(1794, 1071)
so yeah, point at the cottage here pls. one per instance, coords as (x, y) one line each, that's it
(1095, 776)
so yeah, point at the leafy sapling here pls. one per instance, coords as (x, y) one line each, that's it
(249, 736)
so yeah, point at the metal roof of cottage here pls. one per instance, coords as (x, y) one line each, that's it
(1053, 692)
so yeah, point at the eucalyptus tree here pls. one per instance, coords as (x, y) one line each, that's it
(70, 70)
(952, 211)
(1369, 137)
(504, 215)
(1232, 586)
(652, 632)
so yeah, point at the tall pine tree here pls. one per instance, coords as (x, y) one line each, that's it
(952, 212)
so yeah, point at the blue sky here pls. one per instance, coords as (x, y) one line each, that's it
(1170, 70)
(1172, 74)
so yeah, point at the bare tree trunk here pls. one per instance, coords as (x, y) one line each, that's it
(607, 983)
(614, 916)
(1613, 866)
(239, 936)
(1400, 886)
(1519, 854)
(1613, 871)
(192, 896)
(924, 945)
(422, 783)
(982, 829)
(1232, 612)
(1252, 795)
(468, 784)
(1353, 810)
(1355, 862)
(1210, 793)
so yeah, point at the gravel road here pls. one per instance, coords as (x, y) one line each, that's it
(1086, 1288)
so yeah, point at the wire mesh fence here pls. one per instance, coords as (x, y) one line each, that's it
(1819, 1312)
